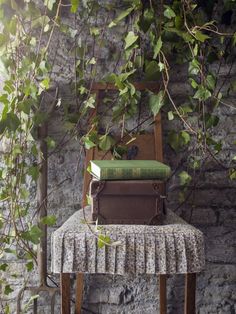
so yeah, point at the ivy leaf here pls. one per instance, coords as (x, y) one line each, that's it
(3, 267)
(49, 3)
(88, 143)
(90, 102)
(200, 36)
(157, 47)
(74, 5)
(193, 83)
(232, 174)
(50, 142)
(169, 13)
(194, 67)
(29, 266)
(202, 93)
(211, 82)
(25, 105)
(211, 120)
(152, 70)
(94, 31)
(120, 17)
(34, 172)
(12, 121)
(106, 142)
(8, 290)
(33, 235)
(178, 140)
(49, 220)
(45, 83)
(130, 39)
(146, 20)
(103, 240)
(156, 102)
(170, 115)
(185, 178)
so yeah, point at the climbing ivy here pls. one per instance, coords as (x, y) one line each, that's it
(158, 38)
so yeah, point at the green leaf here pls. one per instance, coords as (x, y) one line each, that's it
(232, 174)
(74, 5)
(50, 142)
(161, 66)
(90, 103)
(34, 172)
(178, 140)
(120, 17)
(33, 235)
(152, 70)
(185, 178)
(211, 120)
(169, 13)
(170, 115)
(49, 3)
(202, 93)
(3, 267)
(29, 266)
(106, 142)
(157, 47)
(12, 121)
(49, 220)
(88, 143)
(103, 240)
(146, 20)
(200, 36)
(130, 39)
(156, 102)
(194, 67)
(45, 83)
(193, 83)
(94, 31)
(26, 105)
(185, 137)
(8, 289)
(211, 82)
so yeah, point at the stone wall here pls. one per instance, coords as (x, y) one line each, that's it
(212, 208)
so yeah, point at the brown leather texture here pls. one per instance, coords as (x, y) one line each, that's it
(127, 202)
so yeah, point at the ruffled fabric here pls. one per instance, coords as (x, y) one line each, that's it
(175, 247)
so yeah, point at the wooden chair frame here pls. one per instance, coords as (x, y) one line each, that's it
(190, 278)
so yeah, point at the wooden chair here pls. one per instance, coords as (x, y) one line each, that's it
(150, 147)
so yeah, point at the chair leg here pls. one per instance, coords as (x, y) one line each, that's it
(190, 291)
(65, 293)
(162, 293)
(79, 292)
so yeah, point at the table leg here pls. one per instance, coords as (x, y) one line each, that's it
(65, 293)
(190, 291)
(79, 292)
(162, 293)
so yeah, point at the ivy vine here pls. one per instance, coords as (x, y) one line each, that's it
(157, 38)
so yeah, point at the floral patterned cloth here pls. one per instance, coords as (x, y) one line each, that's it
(171, 248)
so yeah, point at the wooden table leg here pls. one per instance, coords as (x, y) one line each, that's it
(190, 291)
(79, 292)
(65, 293)
(162, 293)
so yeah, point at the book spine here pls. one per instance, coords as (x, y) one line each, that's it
(136, 173)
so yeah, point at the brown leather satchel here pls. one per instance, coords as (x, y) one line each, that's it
(127, 202)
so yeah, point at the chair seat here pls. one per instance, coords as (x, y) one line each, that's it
(172, 248)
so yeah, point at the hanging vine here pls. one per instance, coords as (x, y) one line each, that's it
(157, 38)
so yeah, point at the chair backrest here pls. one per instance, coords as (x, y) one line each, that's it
(149, 145)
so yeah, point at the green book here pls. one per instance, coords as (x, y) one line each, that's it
(129, 169)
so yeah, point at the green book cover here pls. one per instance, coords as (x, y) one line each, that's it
(129, 169)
